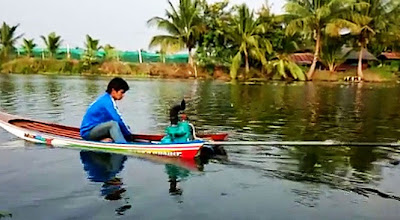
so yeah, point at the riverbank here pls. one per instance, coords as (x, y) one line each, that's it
(75, 67)
(169, 70)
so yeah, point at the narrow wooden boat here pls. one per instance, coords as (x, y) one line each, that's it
(65, 136)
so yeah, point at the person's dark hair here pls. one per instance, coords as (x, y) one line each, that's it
(117, 84)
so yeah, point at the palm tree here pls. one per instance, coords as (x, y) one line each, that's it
(8, 39)
(279, 61)
(282, 63)
(373, 17)
(316, 17)
(52, 43)
(183, 25)
(244, 32)
(331, 52)
(286, 68)
(110, 52)
(28, 46)
(165, 48)
(92, 46)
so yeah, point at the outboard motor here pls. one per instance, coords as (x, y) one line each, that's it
(180, 130)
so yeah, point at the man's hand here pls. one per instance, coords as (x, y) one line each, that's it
(129, 138)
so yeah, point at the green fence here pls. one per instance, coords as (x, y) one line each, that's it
(124, 56)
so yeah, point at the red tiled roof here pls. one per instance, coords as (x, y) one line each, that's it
(391, 55)
(302, 58)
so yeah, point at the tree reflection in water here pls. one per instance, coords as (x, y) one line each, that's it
(8, 88)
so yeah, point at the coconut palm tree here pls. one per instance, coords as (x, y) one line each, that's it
(315, 17)
(183, 24)
(286, 68)
(332, 52)
(52, 42)
(8, 39)
(110, 52)
(372, 18)
(279, 62)
(28, 46)
(92, 47)
(282, 63)
(245, 33)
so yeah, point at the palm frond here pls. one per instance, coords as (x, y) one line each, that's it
(182, 23)
(168, 42)
(236, 61)
(296, 71)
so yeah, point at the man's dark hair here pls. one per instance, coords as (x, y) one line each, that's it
(117, 84)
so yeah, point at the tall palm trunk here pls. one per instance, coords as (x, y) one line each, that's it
(316, 55)
(246, 60)
(359, 67)
(331, 67)
(4, 53)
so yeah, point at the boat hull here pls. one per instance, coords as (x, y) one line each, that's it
(183, 150)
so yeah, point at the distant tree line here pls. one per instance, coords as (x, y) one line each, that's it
(217, 34)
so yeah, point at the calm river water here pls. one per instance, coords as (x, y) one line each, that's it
(251, 182)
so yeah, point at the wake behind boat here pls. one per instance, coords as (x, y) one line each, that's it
(66, 136)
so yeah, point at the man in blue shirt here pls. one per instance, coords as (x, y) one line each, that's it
(103, 120)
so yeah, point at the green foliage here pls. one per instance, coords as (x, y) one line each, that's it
(8, 39)
(386, 72)
(110, 53)
(236, 37)
(214, 48)
(286, 69)
(244, 31)
(5, 214)
(52, 42)
(318, 17)
(92, 47)
(331, 54)
(35, 65)
(375, 21)
(28, 46)
(184, 26)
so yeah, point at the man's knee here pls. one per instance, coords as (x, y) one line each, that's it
(112, 124)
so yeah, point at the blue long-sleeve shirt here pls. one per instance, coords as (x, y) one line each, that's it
(102, 110)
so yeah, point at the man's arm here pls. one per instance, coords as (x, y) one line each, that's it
(116, 116)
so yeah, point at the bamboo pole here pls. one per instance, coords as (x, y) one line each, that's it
(140, 56)
(306, 143)
(68, 52)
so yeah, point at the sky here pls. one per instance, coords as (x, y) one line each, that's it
(121, 23)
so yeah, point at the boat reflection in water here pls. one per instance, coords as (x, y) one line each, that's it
(103, 168)
(178, 173)
(175, 175)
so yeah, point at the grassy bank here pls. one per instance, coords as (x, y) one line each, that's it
(373, 74)
(161, 70)
(75, 67)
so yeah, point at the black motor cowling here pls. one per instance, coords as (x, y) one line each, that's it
(174, 112)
